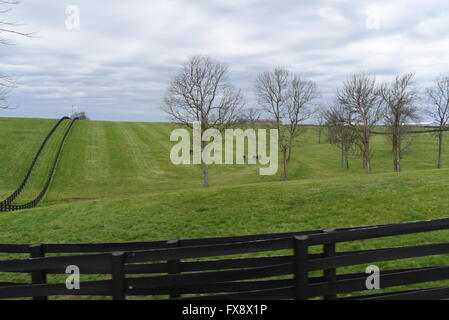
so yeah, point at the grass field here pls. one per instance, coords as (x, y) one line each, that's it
(116, 179)
(115, 183)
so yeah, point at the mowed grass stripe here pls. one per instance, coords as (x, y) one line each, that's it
(157, 139)
(138, 149)
(84, 162)
(119, 152)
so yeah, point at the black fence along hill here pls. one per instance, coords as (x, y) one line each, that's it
(267, 266)
(7, 204)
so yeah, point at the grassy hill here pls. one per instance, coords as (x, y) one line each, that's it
(116, 182)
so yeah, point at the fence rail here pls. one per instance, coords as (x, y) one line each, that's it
(6, 205)
(267, 266)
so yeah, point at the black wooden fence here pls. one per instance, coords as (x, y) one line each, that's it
(6, 205)
(278, 266)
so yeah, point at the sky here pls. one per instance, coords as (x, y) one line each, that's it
(117, 65)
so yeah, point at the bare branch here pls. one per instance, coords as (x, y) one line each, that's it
(201, 92)
(343, 136)
(286, 97)
(361, 99)
(10, 27)
(399, 98)
(438, 109)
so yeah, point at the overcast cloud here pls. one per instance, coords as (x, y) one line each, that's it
(117, 66)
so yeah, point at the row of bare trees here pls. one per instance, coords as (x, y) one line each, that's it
(202, 92)
(438, 97)
(363, 103)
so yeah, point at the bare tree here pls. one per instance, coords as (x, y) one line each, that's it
(286, 96)
(320, 117)
(399, 99)
(251, 116)
(341, 134)
(201, 92)
(7, 28)
(438, 97)
(361, 99)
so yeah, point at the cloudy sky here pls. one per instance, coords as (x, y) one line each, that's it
(117, 65)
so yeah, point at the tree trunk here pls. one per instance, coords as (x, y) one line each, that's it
(440, 150)
(368, 165)
(393, 150)
(366, 157)
(284, 156)
(342, 155)
(396, 152)
(257, 147)
(347, 161)
(206, 175)
(347, 157)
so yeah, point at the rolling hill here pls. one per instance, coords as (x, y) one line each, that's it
(115, 183)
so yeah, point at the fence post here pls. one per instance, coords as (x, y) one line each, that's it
(38, 276)
(174, 266)
(329, 274)
(118, 275)
(301, 274)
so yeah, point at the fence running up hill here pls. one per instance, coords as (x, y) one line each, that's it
(205, 268)
(6, 205)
